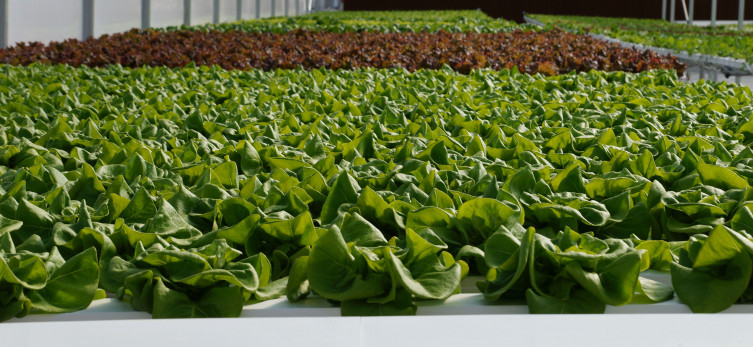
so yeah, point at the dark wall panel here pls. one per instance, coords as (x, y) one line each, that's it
(513, 9)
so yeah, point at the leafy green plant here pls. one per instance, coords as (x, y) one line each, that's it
(371, 276)
(718, 41)
(571, 273)
(382, 21)
(192, 192)
(550, 53)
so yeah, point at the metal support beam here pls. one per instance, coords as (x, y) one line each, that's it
(297, 7)
(713, 13)
(287, 8)
(691, 10)
(238, 9)
(146, 14)
(187, 12)
(88, 20)
(664, 9)
(741, 15)
(684, 9)
(216, 11)
(4, 25)
(671, 10)
(273, 7)
(258, 9)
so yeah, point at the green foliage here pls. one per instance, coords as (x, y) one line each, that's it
(191, 192)
(382, 21)
(720, 41)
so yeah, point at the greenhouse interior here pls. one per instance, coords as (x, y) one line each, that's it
(355, 173)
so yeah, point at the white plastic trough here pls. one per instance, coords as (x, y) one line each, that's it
(462, 319)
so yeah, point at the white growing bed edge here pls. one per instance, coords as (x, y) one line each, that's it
(462, 318)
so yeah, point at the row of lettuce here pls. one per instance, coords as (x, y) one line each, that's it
(381, 21)
(463, 40)
(551, 52)
(720, 41)
(192, 192)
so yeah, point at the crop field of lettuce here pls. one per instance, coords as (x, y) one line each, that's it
(191, 191)
(548, 52)
(361, 21)
(716, 41)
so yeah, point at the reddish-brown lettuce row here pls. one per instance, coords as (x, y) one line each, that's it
(550, 52)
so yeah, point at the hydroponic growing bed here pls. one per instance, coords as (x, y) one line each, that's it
(198, 191)
(716, 47)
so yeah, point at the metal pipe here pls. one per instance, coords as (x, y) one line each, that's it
(258, 9)
(238, 9)
(685, 9)
(216, 11)
(187, 12)
(691, 8)
(664, 9)
(273, 8)
(671, 10)
(713, 13)
(88, 20)
(741, 15)
(287, 8)
(146, 14)
(4, 25)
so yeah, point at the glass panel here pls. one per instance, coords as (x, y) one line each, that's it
(167, 13)
(265, 9)
(113, 16)
(44, 20)
(248, 9)
(279, 8)
(201, 11)
(227, 10)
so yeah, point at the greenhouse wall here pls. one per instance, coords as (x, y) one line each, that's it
(201, 11)
(56, 20)
(248, 9)
(228, 10)
(265, 9)
(116, 16)
(167, 13)
(27, 23)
